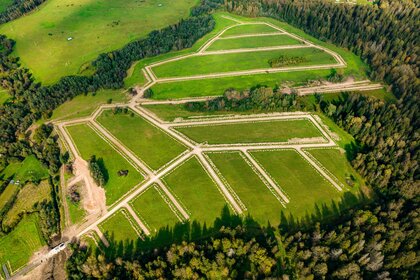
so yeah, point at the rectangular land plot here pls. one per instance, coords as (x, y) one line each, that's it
(261, 203)
(334, 160)
(89, 143)
(119, 228)
(302, 183)
(149, 143)
(246, 29)
(221, 63)
(273, 131)
(7, 194)
(18, 246)
(194, 188)
(253, 42)
(153, 210)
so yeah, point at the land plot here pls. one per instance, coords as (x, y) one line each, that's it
(220, 63)
(301, 182)
(95, 27)
(246, 29)
(119, 227)
(153, 210)
(149, 143)
(273, 131)
(30, 169)
(89, 143)
(336, 163)
(194, 188)
(259, 200)
(18, 246)
(253, 42)
(7, 195)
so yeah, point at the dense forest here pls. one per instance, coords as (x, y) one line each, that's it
(378, 241)
(18, 8)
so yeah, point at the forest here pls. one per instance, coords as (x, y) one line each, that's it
(18, 8)
(376, 241)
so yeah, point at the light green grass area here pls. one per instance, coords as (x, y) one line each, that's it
(153, 210)
(252, 42)
(194, 188)
(94, 26)
(85, 105)
(135, 77)
(135, 70)
(4, 4)
(76, 211)
(217, 86)
(260, 202)
(251, 132)
(300, 181)
(30, 169)
(118, 227)
(248, 29)
(220, 63)
(149, 143)
(340, 136)
(18, 246)
(4, 95)
(8, 193)
(26, 199)
(89, 143)
(335, 161)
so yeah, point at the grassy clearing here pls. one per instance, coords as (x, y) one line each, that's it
(196, 190)
(220, 63)
(89, 143)
(249, 29)
(217, 86)
(134, 77)
(7, 195)
(4, 95)
(30, 169)
(253, 42)
(118, 228)
(95, 26)
(340, 136)
(221, 23)
(18, 246)
(262, 205)
(85, 105)
(335, 161)
(302, 183)
(26, 198)
(252, 132)
(153, 210)
(151, 144)
(4, 4)
(76, 211)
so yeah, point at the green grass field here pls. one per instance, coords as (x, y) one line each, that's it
(153, 210)
(7, 194)
(95, 26)
(251, 132)
(85, 105)
(335, 161)
(30, 169)
(248, 29)
(4, 4)
(252, 42)
(4, 95)
(89, 143)
(194, 188)
(301, 182)
(18, 246)
(149, 143)
(77, 213)
(26, 198)
(118, 227)
(135, 77)
(219, 63)
(261, 204)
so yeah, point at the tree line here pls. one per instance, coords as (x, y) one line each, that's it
(18, 8)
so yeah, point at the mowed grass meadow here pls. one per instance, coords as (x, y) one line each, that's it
(89, 143)
(260, 202)
(219, 63)
(251, 132)
(153, 210)
(306, 188)
(18, 246)
(248, 29)
(118, 227)
(95, 26)
(149, 143)
(196, 191)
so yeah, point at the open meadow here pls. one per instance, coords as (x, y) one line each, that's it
(118, 227)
